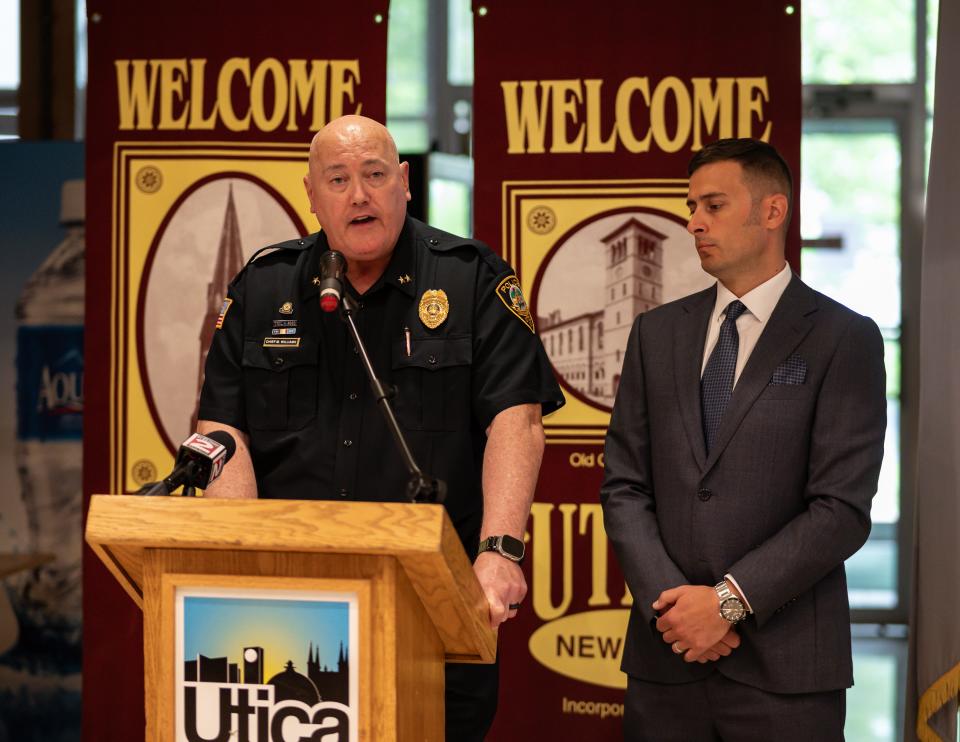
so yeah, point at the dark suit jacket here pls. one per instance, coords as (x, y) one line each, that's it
(781, 501)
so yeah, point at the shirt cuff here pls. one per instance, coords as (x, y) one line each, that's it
(729, 578)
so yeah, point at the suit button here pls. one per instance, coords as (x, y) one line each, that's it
(704, 494)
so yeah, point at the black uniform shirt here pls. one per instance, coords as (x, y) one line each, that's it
(288, 374)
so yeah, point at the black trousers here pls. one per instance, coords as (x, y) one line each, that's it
(717, 709)
(471, 700)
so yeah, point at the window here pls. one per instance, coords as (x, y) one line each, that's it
(867, 41)
(851, 200)
(407, 88)
(866, 75)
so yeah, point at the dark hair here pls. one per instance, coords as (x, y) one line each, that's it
(757, 159)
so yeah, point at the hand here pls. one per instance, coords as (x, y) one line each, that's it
(690, 621)
(503, 583)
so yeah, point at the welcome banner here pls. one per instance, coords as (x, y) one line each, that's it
(199, 121)
(585, 118)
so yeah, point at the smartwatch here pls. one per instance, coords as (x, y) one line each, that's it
(506, 546)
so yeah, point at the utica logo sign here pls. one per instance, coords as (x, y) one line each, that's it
(585, 645)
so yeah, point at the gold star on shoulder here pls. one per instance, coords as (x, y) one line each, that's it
(316, 280)
(404, 279)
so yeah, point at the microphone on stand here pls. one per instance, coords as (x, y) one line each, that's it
(333, 267)
(200, 461)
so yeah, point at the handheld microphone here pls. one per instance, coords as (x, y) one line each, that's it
(333, 268)
(200, 461)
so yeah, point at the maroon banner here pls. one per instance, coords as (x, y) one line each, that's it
(585, 121)
(199, 121)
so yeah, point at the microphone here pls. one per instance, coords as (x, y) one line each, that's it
(333, 268)
(200, 461)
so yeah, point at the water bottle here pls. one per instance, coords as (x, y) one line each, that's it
(49, 443)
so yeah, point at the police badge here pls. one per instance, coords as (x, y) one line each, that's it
(434, 308)
(511, 295)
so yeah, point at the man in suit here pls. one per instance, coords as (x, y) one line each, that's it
(742, 455)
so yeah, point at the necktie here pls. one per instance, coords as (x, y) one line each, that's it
(716, 386)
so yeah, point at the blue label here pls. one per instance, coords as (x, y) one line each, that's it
(50, 382)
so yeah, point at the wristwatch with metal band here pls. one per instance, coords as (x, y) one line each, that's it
(506, 546)
(731, 607)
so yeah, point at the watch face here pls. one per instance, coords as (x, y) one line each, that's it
(512, 547)
(732, 610)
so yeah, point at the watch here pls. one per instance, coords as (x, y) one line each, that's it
(506, 546)
(731, 607)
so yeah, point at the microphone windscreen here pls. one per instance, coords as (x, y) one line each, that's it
(226, 440)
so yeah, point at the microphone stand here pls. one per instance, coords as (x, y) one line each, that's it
(420, 487)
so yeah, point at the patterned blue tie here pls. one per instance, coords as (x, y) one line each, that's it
(716, 386)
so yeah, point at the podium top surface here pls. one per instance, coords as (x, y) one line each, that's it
(420, 536)
(376, 528)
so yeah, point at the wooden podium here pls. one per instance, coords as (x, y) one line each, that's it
(418, 602)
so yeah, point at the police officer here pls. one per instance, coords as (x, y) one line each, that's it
(444, 320)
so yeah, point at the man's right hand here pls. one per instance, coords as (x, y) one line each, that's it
(722, 648)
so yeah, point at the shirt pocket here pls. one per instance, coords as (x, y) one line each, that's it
(433, 382)
(280, 385)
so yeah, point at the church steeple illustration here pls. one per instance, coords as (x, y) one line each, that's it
(228, 264)
(333, 684)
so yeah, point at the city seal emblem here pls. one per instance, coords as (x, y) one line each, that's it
(434, 308)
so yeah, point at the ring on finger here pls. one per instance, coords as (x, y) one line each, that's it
(676, 648)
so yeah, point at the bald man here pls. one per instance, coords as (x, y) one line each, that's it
(472, 377)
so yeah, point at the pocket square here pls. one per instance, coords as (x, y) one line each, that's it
(791, 371)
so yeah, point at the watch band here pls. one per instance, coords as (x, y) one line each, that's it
(723, 590)
(515, 551)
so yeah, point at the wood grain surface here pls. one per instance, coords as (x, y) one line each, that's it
(421, 537)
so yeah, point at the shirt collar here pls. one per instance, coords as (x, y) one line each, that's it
(759, 301)
(399, 271)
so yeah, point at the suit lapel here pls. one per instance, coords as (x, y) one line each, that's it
(688, 342)
(788, 325)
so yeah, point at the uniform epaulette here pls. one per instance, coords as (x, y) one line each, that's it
(442, 241)
(297, 245)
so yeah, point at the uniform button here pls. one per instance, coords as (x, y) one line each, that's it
(348, 443)
(434, 241)
(360, 305)
(704, 494)
(352, 396)
(355, 349)
(343, 493)
(431, 359)
(300, 242)
(278, 361)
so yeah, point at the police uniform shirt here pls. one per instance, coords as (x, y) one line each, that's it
(289, 375)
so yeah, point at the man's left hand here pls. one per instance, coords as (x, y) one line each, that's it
(691, 617)
(502, 582)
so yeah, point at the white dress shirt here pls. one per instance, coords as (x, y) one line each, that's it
(760, 303)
